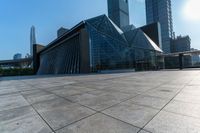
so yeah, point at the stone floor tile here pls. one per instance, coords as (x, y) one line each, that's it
(59, 112)
(150, 101)
(183, 108)
(36, 95)
(179, 86)
(65, 91)
(47, 85)
(25, 88)
(143, 131)
(12, 101)
(130, 89)
(166, 122)
(94, 85)
(22, 120)
(100, 100)
(186, 97)
(131, 113)
(99, 123)
(191, 90)
(7, 90)
(162, 92)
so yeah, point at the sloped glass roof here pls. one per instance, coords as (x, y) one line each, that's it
(137, 38)
(131, 36)
(153, 44)
(104, 25)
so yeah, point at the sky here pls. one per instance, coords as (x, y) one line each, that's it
(17, 17)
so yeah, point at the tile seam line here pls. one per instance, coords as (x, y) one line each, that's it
(88, 106)
(66, 99)
(101, 111)
(101, 80)
(15, 108)
(85, 105)
(95, 112)
(181, 114)
(77, 121)
(92, 108)
(40, 115)
(152, 88)
(43, 119)
(121, 121)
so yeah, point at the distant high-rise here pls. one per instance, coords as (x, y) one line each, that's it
(17, 56)
(181, 44)
(61, 31)
(160, 11)
(118, 12)
(32, 39)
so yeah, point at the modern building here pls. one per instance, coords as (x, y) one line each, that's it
(181, 44)
(118, 12)
(100, 43)
(160, 11)
(32, 39)
(17, 56)
(97, 44)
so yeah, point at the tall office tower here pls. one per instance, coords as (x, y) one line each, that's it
(160, 11)
(32, 39)
(118, 12)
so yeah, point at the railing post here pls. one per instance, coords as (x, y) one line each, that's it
(180, 61)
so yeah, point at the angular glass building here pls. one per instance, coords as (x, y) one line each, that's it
(98, 44)
(160, 11)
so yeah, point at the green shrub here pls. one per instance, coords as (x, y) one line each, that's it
(16, 71)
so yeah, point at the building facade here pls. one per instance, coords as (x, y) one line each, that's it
(97, 44)
(118, 12)
(160, 11)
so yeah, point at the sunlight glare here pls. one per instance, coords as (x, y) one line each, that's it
(191, 10)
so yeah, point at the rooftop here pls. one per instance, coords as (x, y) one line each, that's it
(157, 102)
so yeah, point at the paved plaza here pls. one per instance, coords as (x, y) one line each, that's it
(141, 102)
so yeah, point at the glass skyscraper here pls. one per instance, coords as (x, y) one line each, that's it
(118, 12)
(160, 11)
(32, 39)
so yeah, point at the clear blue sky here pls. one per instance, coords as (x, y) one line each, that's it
(17, 17)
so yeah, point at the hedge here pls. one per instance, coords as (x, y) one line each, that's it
(16, 71)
